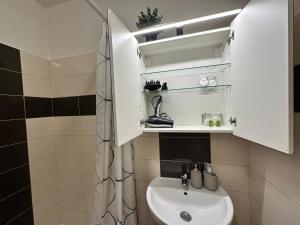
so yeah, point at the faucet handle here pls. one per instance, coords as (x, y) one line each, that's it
(184, 176)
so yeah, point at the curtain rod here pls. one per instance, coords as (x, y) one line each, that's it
(97, 10)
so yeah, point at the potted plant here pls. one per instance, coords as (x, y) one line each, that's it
(147, 19)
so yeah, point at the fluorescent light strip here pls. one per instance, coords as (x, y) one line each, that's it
(185, 36)
(186, 22)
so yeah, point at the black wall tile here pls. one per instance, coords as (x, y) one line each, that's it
(14, 205)
(169, 168)
(12, 107)
(14, 180)
(10, 83)
(297, 88)
(12, 131)
(87, 105)
(38, 107)
(10, 58)
(13, 156)
(67, 106)
(184, 146)
(26, 218)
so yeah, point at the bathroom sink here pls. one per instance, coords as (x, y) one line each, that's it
(170, 205)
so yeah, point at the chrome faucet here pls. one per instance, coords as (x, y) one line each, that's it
(184, 176)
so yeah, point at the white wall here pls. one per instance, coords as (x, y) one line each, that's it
(24, 26)
(74, 29)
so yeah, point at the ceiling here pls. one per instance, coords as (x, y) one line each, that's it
(49, 3)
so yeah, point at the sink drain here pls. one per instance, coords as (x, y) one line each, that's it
(185, 216)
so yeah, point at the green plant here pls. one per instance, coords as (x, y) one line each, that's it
(149, 18)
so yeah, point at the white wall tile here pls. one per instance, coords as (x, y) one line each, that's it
(39, 148)
(146, 170)
(39, 127)
(34, 65)
(42, 168)
(36, 86)
(74, 65)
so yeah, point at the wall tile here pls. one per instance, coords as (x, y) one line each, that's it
(87, 105)
(13, 156)
(69, 163)
(71, 182)
(12, 131)
(12, 107)
(89, 145)
(145, 214)
(10, 58)
(38, 107)
(39, 128)
(74, 65)
(88, 125)
(230, 151)
(74, 86)
(89, 164)
(42, 168)
(40, 148)
(68, 144)
(146, 170)
(15, 205)
(67, 125)
(241, 204)
(34, 65)
(73, 217)
(36, 86)
(141, 189)
(26, 218)
(9, 183)
(146, 147)
(72, 200)
(44, 187)
(233, 178)
(11, 83)
(67, 106)
(296, 88)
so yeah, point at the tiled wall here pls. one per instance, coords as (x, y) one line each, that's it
(230, 156)
(74, 108)
(15, 188)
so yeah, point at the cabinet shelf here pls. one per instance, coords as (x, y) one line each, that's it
(216, 68)
(188, 89)
(189, 129)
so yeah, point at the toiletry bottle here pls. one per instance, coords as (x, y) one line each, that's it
(196, 177)
(210, 178)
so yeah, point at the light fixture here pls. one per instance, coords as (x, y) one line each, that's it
(186, 22)
(185, 36)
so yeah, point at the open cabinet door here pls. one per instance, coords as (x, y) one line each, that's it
(262, 73)
(126, 81)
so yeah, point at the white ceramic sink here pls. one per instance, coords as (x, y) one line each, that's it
(166, 200)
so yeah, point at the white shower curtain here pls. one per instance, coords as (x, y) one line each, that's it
(114, 198)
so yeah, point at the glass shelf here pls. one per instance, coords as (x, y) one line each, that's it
(201, 69)
(188, 89)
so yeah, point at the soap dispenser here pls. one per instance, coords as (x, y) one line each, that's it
(196, 177)
(210, 178)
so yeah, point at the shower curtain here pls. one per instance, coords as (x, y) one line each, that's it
(114, 198)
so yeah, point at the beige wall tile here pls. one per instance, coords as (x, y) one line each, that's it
(273, 203)
(89, 164)
(73, 200)
(141, 190)
(280, 169)
(144, 214)
(74, 65)
(146, 170)
(42, 168)
(68, 144)
(68, 125)
(89, 145)
(146, 147)
(297, 133)
(74, 86)
(39, 128)
(230, 151)
(71, 182)
(69, 163)
(238, 221)
(36, 86)
(40, 148)
(47, 211)
(233, 178)
(241, 204)
(34, 65)
(43, 188)
(73, 217)
(88, 125)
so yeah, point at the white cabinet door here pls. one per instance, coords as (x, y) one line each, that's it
(126, 81)
(262, 71)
